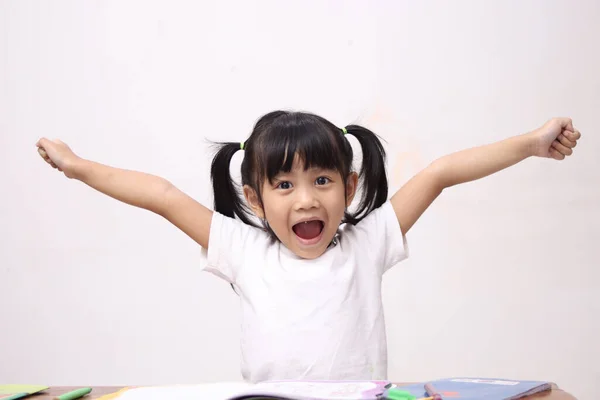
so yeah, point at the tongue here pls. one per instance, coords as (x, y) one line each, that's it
(308, 230)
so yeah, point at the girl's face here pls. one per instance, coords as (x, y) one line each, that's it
(304, 208)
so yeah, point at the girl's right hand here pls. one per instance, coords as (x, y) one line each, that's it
(58, 155)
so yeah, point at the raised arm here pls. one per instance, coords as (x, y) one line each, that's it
(134, 188)
(555, 139)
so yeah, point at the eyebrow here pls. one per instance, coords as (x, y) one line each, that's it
(308, 170)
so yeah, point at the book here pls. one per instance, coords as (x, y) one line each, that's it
(274, 390)
(480, 388)
(18, 391)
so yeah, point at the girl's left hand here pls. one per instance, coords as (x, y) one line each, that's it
(555, 139)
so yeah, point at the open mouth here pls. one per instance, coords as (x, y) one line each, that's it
(309, 232)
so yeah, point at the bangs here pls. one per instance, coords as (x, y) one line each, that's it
(315, 142)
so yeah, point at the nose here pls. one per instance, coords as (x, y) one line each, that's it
(306, 198)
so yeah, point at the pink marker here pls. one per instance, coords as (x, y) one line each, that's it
(431, 391)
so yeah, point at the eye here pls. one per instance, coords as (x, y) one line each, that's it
(322, 180)
(284, 185)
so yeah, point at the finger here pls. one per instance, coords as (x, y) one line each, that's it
(572, 135)
(53, 165)
(44, 155)
(46, 158)
(556, 155)
(566, 142)
(566, 123)
(43, 142)
(562, 149)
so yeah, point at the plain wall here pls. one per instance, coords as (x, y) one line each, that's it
(504, 272)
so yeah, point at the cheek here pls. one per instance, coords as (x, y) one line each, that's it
(336, 203)
(275, 210)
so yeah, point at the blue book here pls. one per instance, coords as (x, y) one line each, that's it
(478, 388)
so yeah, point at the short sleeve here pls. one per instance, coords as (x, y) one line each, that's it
(230, 243)
(378, 237)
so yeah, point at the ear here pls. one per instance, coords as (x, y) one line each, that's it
(351, 185)
(253, 201)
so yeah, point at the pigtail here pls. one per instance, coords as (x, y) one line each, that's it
(372, 173)
(227, 200)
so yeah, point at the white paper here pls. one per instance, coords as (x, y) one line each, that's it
(212, 391)
(228, 390)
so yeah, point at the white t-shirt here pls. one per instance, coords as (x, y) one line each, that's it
(310, 319)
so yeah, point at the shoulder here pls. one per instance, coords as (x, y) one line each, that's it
(231, 234)
(231, 244)
(382, 217)
(377, 237)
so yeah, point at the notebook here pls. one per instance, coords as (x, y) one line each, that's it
(9, 391)
(479, 388)
(279, 390)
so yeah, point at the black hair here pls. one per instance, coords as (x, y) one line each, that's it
(276, 139)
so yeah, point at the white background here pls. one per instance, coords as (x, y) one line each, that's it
(503, 276)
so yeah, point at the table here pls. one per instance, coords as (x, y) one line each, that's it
(99, 391)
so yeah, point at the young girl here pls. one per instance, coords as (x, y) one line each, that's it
(306, 266)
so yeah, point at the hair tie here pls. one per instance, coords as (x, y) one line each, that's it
(345, 131)
(241, 145)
